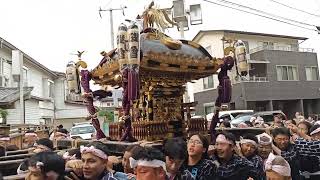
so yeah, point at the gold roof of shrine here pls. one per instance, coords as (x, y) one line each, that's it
(158, 62)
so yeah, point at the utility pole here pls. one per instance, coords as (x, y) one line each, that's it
(181, 29)
(111, 21)
(111, 29)
(180, 15)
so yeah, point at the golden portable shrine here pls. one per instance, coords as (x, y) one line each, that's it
(158, 111)
(153, 70)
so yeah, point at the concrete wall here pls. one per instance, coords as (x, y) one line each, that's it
(283, 90)
(208, 98)
(205, 97)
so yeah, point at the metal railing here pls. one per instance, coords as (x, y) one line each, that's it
(258, 79)
(74, 97)
(252, 79)
(282, 48)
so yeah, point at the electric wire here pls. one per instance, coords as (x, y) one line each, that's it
(264, 16)
(266, 13)
(300, 10)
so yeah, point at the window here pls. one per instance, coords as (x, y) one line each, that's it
(50, 88)
(2, 60)
(294, 47)
(208, 82)
(246, 44)
(6, 82)
(312, 73)
(208, 109)
(82, 130)
(25, 76)
(287, 73)
(268, 45)
(209, 49)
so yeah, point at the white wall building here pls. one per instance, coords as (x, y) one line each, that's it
(45, 92)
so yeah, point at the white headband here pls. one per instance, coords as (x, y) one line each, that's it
(266, 136)
(244, 141)
(222, 139)
(66, 156)
(93, 150)
(5, 139)
(315, 131)
(154, 163)
(31, 134)
(60, 133)
(282, 170)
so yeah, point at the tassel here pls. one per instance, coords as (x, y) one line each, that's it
(133, 85)
(224, 93)
(85, 79)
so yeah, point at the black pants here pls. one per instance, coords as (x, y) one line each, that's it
(315, 177)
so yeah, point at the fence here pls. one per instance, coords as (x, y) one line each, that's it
(14, 134)
(282, 48)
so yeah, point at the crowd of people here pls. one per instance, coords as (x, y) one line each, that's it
(289, 149)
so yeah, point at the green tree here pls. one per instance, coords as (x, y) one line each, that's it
(3, 115)
(107, 114)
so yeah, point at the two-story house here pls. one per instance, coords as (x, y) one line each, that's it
(44, 91)
(281, 74)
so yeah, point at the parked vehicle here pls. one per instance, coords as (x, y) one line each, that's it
(229, 114)
(83, 131)
(267, 116)
(241, 119)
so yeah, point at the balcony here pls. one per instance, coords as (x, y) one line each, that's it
(281, 48)
(74, 97)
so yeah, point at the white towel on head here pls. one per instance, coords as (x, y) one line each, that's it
(283, 170)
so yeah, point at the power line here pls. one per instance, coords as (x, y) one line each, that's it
(316, 15)
(259, 15)
(263, 12)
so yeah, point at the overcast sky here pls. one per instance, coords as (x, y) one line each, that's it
(50, 30)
